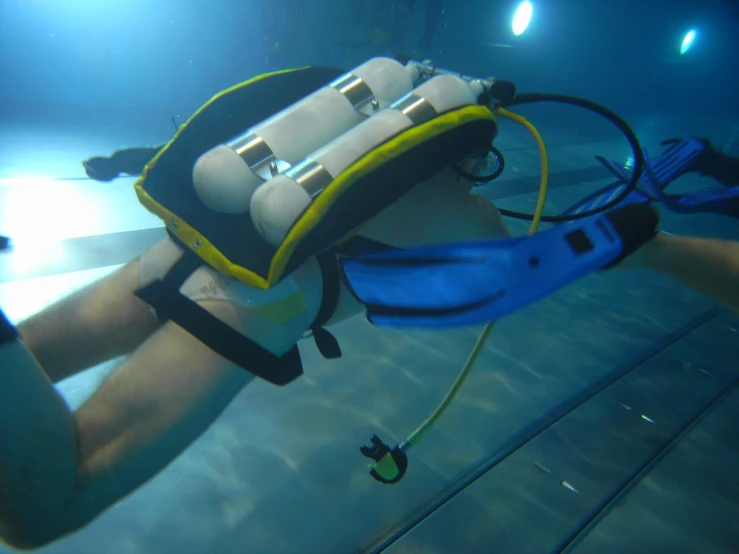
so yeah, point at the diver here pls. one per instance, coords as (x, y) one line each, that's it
(404, 10)
(371, 22)
(171, 387)
(383, 25)
(280, 24)
(248, 270)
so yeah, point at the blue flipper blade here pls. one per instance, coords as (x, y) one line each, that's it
(477, 282)
(658, 174)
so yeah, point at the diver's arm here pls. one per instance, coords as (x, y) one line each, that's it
(37, 446)
(58, 471)
(710, 266)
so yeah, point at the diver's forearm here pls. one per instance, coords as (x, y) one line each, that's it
(710, 266)
(38, 460)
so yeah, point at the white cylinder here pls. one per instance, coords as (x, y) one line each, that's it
(276, 205)
(223, 181)
(306, 125)
(290, 135)
(352, 145)
(388, 81)
(446, 92)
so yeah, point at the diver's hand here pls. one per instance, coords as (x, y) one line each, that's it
(100, 169)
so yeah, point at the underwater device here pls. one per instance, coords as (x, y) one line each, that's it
(274, 172)
(310, 170)
(226, 176)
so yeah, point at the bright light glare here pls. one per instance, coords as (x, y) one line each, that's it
(687, 41)
(522, 18)
(37, 210)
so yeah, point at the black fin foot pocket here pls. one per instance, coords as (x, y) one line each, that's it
(636, 224)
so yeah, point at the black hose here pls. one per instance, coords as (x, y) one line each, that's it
(639, 162)
(485, 178)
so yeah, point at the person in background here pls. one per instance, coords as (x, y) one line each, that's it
(381, 26)
(280, 25)
(404, 10)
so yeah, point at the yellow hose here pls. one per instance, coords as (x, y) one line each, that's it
(418, 434)
(544, 185)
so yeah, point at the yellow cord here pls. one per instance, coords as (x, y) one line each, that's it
(418, 434)
(544, 185)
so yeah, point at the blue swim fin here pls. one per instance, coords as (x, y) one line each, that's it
(723, 201)
(677, 160)
(478, 282)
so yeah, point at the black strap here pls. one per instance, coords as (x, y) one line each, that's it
(176, 277)
(182, 269)
(362, 246)
(8, 332)
(327, 344)
(165, 297)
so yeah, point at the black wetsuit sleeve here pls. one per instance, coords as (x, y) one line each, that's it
(723, 168)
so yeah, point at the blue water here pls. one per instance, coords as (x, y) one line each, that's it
(526, 459)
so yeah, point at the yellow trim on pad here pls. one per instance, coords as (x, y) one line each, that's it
(181, 229)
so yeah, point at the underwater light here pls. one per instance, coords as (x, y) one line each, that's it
(522, 18)
(687, 41)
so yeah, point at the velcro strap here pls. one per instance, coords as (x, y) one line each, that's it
(327, 344)
(221, 337)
